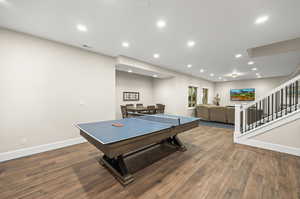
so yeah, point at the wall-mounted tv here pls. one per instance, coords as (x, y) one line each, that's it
(245, 94)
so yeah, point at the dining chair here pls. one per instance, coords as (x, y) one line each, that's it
(151, 109)
(139, 105)
(129, 105)
(124, 111)
(160, 108)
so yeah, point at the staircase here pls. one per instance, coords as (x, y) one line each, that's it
(275, 109)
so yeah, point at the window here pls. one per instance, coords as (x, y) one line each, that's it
(205, 96)
(192, 100)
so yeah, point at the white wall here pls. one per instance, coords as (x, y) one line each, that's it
(174, 93)
(286, 135)
(133, 83)
(42, 84)
(262, 87)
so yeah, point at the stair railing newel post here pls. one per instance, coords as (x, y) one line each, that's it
(238, 123)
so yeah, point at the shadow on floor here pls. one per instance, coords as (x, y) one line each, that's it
(216, 124)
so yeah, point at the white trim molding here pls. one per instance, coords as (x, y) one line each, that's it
(269, 146)
(39, 149)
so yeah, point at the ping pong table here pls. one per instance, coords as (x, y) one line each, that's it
(136, 135)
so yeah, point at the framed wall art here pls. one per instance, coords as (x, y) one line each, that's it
(131, 96)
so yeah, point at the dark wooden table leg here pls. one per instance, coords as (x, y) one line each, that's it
(175, 141)
(118, 168)
(178, 142)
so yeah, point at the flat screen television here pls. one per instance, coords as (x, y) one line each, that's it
(245, 94)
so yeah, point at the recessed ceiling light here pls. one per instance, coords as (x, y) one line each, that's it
(201, 70)
(234, 74)
(81, 28)
(250, 62)
(161, 23)
(220, 78)
(125, 44)
(238, 55)
(154, 75)
(254, 69)
(211, 74)
(189, 66)
(262, 19)
(156, 55)
(130, 71)
(191, 43)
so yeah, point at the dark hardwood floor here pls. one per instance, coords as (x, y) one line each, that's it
(212, 167)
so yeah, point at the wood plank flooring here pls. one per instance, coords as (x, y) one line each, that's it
(212, 167)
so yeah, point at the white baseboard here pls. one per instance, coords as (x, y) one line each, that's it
(39, 149)
(269, 146)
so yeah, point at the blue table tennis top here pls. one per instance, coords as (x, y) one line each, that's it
(105, 133)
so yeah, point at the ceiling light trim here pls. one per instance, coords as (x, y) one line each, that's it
(81, 28)
(262, 19)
